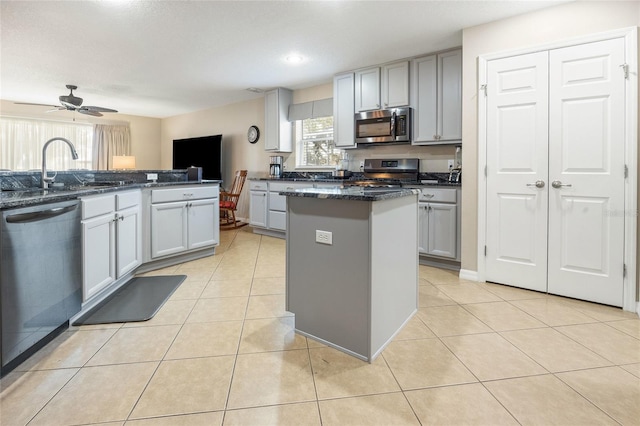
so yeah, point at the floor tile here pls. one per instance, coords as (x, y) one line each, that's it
(606, 341)
(632, 368)
(458, 405)
(553, 350)
(502, 316)
(186, 386)
(386, 409)
(233, 272)
(206, 339)
(506, 292)
(491, 357)
(218, 309)
(429, 295)
(631, 327)
(338, 375)
(25, 393)
(270, 334)
(201, 419)
(271, 378)
(305, 413)
(468, 293)
(137, 344)
(266, 269)
(227, 288)
(105, 394)
(272, 285)
(414, 329)
(189, 290)
(599, 312)
(424, 363)
(69, 349)
(268, 306)
(545, 400)
(612, 389)
(437, 276)
(451, 321)
(551, 312)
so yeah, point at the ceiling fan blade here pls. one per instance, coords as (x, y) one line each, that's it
(89, 112)
(97, 109)
(57, 108)
(29, 103)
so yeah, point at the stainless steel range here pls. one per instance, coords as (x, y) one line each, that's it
(388, 173)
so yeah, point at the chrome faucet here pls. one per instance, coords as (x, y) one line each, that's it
(44, 180)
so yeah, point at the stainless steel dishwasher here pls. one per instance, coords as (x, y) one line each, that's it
(40, 277)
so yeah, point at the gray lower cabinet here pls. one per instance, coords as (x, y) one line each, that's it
(268, 209)
(258, 203)
(438, 218)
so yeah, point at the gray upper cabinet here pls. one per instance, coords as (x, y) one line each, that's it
(394, 89)
(382, 87)
(436, 96)
(277, 128)
(343, 111)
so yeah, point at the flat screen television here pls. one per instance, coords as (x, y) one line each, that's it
(202, 152)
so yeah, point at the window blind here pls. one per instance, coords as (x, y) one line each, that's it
(314, 109)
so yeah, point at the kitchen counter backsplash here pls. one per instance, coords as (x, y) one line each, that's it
(12, 181)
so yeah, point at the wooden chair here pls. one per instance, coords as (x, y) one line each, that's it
(229, 200)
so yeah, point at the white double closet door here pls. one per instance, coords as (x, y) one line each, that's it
(556, 171)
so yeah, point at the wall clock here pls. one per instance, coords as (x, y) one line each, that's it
(253, 134)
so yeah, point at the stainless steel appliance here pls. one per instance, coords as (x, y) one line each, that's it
(275, 166)
(40, 277)
(389, 172)
(383, 126)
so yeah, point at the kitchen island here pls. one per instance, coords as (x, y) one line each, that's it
(352, 265)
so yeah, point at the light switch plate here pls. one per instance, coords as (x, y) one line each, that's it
(450, 164)
(324, 237)
(152, 176)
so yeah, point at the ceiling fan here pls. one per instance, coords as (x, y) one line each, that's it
(71, 102)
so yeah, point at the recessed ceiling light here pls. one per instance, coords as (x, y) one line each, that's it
(294, 59)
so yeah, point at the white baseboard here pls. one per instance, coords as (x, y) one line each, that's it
(467, 274)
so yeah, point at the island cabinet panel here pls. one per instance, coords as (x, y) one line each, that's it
(356, 293)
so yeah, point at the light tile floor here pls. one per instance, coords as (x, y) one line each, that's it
(222, 351)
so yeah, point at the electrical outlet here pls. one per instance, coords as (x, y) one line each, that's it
(324, 237)
(152, 176)
(361, 165)
(450, 164)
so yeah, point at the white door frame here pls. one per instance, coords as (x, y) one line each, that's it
(630, 149)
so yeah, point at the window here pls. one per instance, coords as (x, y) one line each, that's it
(314, 143)
(22, 139)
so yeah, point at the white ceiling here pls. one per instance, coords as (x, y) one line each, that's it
(164, 58)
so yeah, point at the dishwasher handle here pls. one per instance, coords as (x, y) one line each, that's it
(39, 215)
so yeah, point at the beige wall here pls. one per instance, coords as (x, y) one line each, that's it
(545, 26)
(145, 131)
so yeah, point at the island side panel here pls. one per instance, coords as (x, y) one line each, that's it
(328, 286)
(394, 268)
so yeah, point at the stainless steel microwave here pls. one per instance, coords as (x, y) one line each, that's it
(383, 126)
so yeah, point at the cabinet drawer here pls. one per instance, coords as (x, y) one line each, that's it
(258, 185)
(441, 195)
(98, 205)
(288, 186)
(183, 193)
(127, 199)
(278, 220)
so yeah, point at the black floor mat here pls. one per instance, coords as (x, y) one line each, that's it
(137, 300)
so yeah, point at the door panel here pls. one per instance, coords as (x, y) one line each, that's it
(586, 154)
(517, 157)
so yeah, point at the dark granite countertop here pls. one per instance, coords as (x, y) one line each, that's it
(354, 193)
(414, 184)
(34, 196)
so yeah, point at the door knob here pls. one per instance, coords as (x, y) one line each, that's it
(559, 184)
(537, 184)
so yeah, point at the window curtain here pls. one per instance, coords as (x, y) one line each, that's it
(22, 139)
(109, 140)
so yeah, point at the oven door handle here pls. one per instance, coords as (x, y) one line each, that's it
(393, 125)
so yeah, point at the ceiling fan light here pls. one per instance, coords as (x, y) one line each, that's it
(70, 100)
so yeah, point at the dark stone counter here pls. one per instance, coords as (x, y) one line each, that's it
(354, 193)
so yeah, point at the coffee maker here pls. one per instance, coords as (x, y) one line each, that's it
(275, 166)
